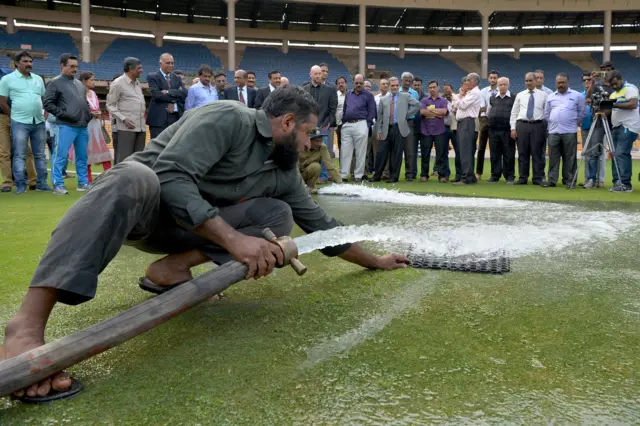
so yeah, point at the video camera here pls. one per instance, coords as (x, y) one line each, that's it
(599, 95)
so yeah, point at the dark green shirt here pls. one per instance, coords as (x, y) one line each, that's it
(218, 155)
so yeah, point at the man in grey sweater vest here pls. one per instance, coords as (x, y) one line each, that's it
(66, 99)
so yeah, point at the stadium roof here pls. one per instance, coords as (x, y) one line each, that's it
(275, 14)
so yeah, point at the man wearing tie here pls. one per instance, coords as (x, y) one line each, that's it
(393, 129)
(263, 94)
(167, 94)
(528, 129)
(240, 92)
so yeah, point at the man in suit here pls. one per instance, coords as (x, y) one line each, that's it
(263, 94)
(221, 83)
(392, 128)
(168, 94)
(241, 92)
(327, 100)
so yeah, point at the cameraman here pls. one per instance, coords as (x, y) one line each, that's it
(626, 126)
(595, 156)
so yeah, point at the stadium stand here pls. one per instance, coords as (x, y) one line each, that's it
(295, 64)
(188, 57)
(428, 67)
(53, 43)
(516, 69)
(625, 63)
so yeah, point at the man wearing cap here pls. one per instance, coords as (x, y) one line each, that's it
(310, 162)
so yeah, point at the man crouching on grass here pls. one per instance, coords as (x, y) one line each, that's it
(202, 191)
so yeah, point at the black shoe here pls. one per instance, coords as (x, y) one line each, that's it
(408, 179)
(546, 184)
(375, 179)
(538, 182)
(492, 180)
(5, 188)
(521, 182)
(392, 181)
(456, 180)
(32, 187)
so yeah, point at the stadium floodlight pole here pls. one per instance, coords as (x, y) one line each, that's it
(485, 42)
(85, 20)
(362, 38)
(231, 33)
(606, 30)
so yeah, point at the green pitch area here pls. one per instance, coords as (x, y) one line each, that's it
(556, 340)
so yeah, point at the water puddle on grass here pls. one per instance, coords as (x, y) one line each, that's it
(456, 226)
(452, 227)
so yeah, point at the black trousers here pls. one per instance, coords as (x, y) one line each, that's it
(503, 154)
(393, 145)
(565, 147)
(442, 154)
(452, 135)
(531, 142)
(485, 135)
(467, 145)
(123, 208)
(155, 131)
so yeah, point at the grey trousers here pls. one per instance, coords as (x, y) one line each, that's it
(123, 208)
(409, 154)
(129, 143)
(563, 146)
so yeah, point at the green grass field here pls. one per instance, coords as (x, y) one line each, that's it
(554, 341)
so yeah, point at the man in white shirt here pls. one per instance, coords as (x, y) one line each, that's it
(528, 129)
(625, 120)
(486, 93)
(341, 85)
(467, 107)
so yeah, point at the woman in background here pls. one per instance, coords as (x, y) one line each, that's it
(97, 149)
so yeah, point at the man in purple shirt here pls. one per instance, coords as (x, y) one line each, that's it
(433, 132)
(564, 111)
(359, 111)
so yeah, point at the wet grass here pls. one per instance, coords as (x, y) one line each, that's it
(556, 340)
(524, 192)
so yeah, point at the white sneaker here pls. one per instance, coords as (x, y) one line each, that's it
(59, 190)
(589, 184)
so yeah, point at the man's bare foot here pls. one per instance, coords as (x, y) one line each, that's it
(19, 338)
(167, 271)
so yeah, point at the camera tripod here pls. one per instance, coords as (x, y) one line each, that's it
(606, 144)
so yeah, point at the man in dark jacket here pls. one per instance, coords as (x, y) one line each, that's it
(502, 147)
(241, 92)
(327, 100)
(263, 93)
(168, 95)
(66, 99)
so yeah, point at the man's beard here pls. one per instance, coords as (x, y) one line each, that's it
(285, 152)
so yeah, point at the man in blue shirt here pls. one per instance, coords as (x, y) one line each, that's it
(410, 149)
(202, 92)
(25, 90)
(358, 114)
